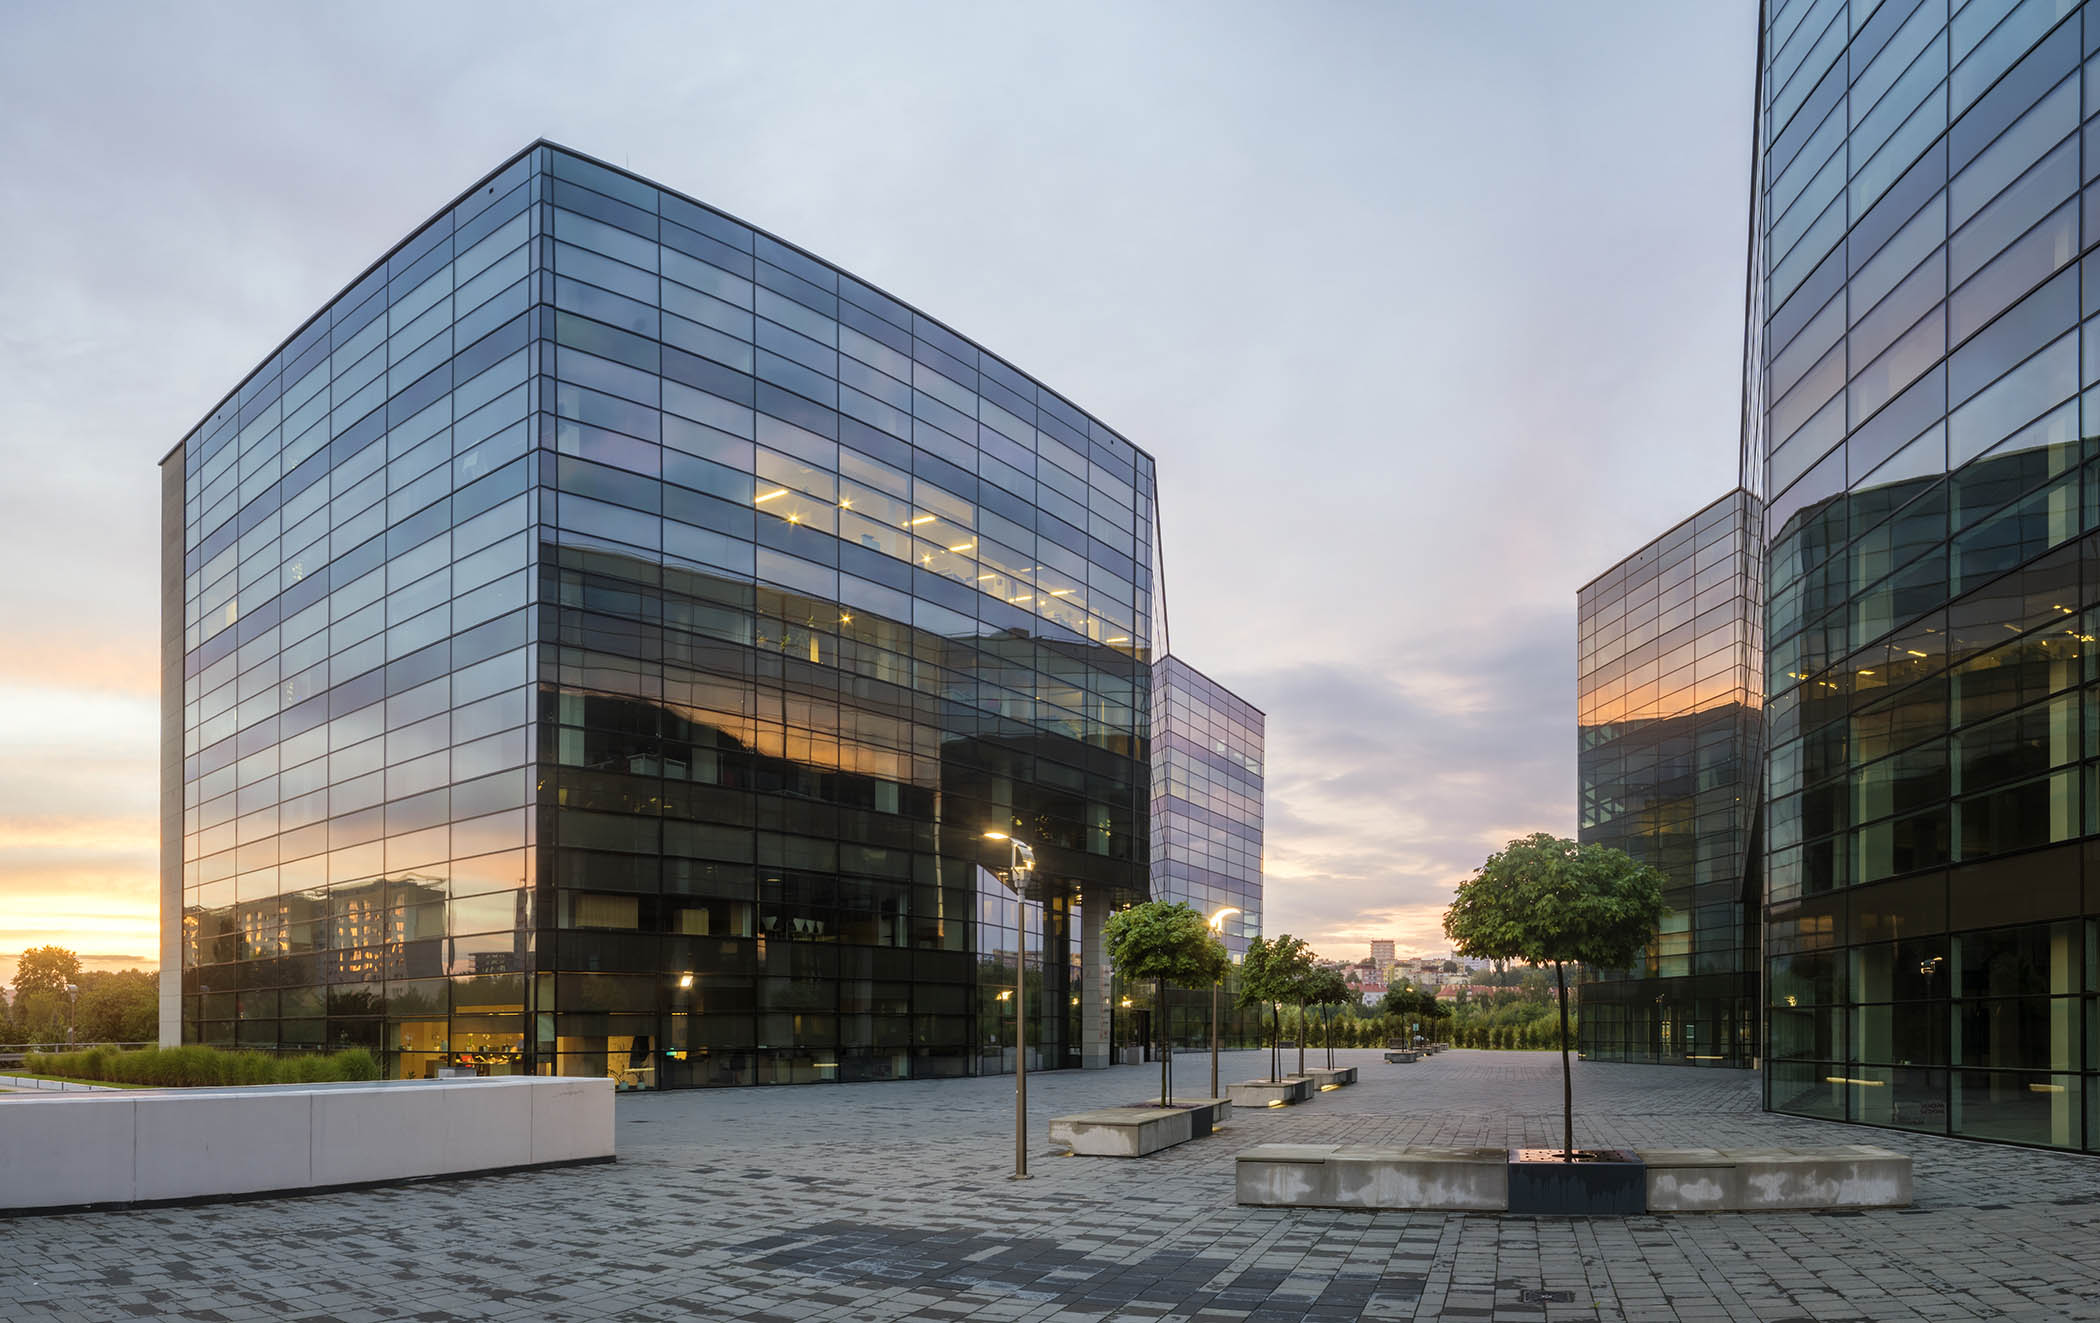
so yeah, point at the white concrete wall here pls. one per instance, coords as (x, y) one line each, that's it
(64, 1150)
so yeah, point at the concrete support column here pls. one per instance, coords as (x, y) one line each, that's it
(172, 568)
(1093, 988)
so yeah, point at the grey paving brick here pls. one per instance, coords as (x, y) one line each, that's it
(890, 1203)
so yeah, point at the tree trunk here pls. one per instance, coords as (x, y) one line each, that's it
(1275, 1041)
(1166, 1047)
(1330, 1040)
(1567, 1080)
(1301, 1042)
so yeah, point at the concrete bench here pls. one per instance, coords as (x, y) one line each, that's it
(1205, 1114)
(1270, 1093)
(1359, 1176)
(147, 1146)
(1398, 1058)
(1477, 1179)
(1708, 1180)
(1123, 1132)
(1333, 1077)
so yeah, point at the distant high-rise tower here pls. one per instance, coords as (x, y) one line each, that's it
(1382, 952)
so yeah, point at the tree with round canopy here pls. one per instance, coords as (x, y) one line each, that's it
(1329, 988)
(1270, 973)
(1171, 945)
(1546, 900)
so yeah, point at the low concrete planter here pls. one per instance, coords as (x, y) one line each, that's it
(1270, 1093)
(1349, 1176)
(1707, 1180)
(1402, 1058)
(1331, 1077)
(67, 1151)
(1205, 1114)
(1123, 1132)
(1484, 1180)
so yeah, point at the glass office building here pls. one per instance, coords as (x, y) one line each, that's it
(1207, 798)
(1921, 424)
(1668, 758)
(599, 642)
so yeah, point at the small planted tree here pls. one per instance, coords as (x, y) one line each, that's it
(1329, 990)
(1545, 900)
(1304, 994)
(1171, 945)
(1269, 975)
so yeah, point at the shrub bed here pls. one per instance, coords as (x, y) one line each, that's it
(197, 1067)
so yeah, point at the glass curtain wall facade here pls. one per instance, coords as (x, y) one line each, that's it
(1206, 832)
(1669, 762)
(1207, 798)
(604, 635)
(1922, 428)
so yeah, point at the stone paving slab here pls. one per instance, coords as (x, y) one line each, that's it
(889, 1202)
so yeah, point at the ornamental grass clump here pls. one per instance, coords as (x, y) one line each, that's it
(195, 1066)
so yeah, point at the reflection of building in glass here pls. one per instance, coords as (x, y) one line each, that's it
(1668, 759)
(599, 641)
(1916, 426)
(1207, 798)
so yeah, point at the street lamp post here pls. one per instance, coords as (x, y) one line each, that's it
(1217, 925)
(1020, 859)
(72, 1009)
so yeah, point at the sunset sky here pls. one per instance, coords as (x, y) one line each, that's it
(1430, 312)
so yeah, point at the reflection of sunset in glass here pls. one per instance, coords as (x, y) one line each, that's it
(1669, 742)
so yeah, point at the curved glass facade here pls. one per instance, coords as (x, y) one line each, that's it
(1922, 430)
(606, 634)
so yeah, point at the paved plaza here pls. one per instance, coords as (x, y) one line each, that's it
(890, 1202)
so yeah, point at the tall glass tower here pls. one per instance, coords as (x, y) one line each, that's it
(1920, 425)
(600, 641)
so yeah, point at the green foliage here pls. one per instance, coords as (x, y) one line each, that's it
(198, 1067)
(46, 969)
(123, 1007)
(1164, 941)
(39, 1016)
(1411, 1004)
(1273, 969)
(1325, 986)
(1273, 973)
(1545, 900)
(1516, 1023)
